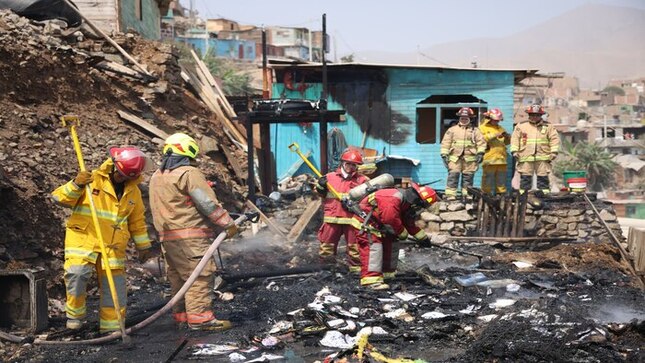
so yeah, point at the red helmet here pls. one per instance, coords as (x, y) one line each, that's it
(535, 109)
(352, 156)
(129, 161)
(427, 194)
(466, 112)
(495, 114)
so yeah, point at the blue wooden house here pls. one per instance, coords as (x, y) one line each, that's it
(398, 110)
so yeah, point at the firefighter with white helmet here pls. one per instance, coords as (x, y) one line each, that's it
(462, 150)
(494, 163)
(534, 145)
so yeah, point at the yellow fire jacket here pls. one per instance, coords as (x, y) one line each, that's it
(463, 141)
(184, 206)
(119, 220)
(496, 150)
(535, 142)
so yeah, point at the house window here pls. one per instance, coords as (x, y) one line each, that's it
(437, 113)
(138, 9)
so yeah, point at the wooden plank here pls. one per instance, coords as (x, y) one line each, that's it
(239, 173)
(303, 221)
(143, 124)
(208, 96)
(636, 245)
(273, 227)
(209, 80)
(203, 74)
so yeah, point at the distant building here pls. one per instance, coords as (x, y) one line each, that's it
(142, 16)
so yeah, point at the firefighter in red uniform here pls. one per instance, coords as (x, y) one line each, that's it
(391, 214)
(337, 220)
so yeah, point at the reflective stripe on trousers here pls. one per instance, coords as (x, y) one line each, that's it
(77, 274)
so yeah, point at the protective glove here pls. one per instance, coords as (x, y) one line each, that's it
(424, 242)
(389, 230)
(231, 230)
(480, 158)
(322, 183)
(553, 156)
(144, 255)
(83, 178)
(445, 160)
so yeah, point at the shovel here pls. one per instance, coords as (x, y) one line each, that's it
(73, 121)
(296, 149)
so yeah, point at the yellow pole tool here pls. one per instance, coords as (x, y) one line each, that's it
(72, 121)
(296, 149)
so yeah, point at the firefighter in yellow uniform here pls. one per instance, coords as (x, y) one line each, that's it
(494, 165)
(462, 150)
(120, 211)
(534, 145)
(185, 212)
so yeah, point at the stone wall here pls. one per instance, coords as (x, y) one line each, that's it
(565, 218)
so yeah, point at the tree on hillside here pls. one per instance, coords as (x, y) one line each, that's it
(592, 158)
(347, 58)
(615, 90)
(235, 82)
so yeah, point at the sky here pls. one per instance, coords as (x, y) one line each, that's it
(396, 26)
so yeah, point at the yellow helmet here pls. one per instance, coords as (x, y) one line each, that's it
(181, 144)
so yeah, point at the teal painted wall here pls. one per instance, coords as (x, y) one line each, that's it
(406, 88)
(150, 26)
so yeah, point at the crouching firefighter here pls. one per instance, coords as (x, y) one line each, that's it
(336, 219)
(383, 218)
(185, 210)
(119, 206)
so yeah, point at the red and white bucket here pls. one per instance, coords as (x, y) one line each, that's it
(578, 185)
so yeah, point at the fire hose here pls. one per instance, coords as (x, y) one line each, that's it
(180, 294)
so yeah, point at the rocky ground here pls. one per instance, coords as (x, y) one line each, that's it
(572, 302)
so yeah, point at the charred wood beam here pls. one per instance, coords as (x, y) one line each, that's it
(275, 273)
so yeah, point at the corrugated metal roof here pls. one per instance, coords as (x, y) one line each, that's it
(630, 162)
(391, 65)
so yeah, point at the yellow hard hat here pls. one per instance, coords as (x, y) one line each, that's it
(181, 144)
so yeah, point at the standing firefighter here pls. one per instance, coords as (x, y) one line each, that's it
(462, 150)
(120, 210)
(494, 165)
(534, 145)
(184, 208)
(390, 215)
(337, 220)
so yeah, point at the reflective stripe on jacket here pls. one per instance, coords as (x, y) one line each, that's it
(183, 205)
(333, 209)
(496, 149)
(534, 142)
(463, 142)
(389, 212)
(119, 220)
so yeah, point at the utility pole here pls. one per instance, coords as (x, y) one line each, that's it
(335, 47)
(311, 56)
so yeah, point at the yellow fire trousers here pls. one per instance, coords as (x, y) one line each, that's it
(77, 274)
(494, 179)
